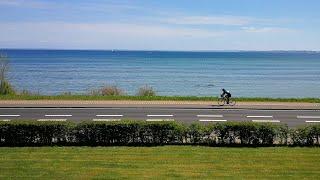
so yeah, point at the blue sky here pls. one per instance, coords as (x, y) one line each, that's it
(161, 25)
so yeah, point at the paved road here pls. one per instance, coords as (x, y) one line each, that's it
(188, 115)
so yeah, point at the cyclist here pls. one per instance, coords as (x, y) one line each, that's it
(226, 94)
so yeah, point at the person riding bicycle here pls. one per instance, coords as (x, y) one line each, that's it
(226, 94)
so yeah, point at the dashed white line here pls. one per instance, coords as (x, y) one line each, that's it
(5, 120)
(58, 115)
(9, 115)
(106, 119)
(210, 115)
(308, 117)
(160, 115)
(52, 120)
(212, 120)
(312, 121)
(275, 121)
(109, 115)
(159, 119)
(259, 116)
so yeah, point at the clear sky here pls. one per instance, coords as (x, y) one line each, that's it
(161, 25)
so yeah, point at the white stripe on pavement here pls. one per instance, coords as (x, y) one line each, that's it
(5, 120)
(209, 115)
(312, 121)
(212, 120)
(159, 119)
(181, 109)
(259, 116)
(160, 115)
(9, 115)
(52, 120)
(276, 121)
(308, 117)
(58, 115)
(106, 119)
(109, 115)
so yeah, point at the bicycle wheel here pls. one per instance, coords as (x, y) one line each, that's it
(221, 101)
(232, 102)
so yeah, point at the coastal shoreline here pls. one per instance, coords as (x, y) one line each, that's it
(154, 98)
(153, 104)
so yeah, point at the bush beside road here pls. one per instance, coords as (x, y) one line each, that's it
(138, 133)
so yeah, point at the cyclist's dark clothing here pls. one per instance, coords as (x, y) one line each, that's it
(226, 94)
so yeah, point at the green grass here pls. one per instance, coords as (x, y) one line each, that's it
(183, 162)
(152, 98)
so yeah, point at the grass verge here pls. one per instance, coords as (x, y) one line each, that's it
(152, 98)
(184, 162)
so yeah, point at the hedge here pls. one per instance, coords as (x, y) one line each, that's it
(139, 133)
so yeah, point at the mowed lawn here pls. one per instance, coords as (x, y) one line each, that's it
(159, 162)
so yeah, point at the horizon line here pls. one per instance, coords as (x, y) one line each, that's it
(156, 50)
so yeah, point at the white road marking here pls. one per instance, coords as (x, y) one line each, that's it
(212, 120)
(209, 115)
(160, 115)
(9, 115)
(308, 117)
(312, 121)
(159, 119)
(52, 120)
(58, 115)
(275, 121)
(5, 120)
(259, 116)
(106, 119)
(109, 115)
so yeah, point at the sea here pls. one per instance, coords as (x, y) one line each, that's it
(172, 73)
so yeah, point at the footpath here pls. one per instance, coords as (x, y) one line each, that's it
(153, 104)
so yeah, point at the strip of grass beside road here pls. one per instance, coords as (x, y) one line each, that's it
(153, 98)
(164, 162)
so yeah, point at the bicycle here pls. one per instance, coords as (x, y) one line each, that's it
(223, 100)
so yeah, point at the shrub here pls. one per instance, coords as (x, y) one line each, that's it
(248, 133)
(6, 88)
(95, 92)
(146, 91)
(25, 93)
(28, 93)
(30, 133)
(111, 91)
(107, 91)
(101, 133)
(305, 135)
(34, 133)
(66, 93)
(196, 133)
(128, 133)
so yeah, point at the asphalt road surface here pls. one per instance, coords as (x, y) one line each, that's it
(291, 117)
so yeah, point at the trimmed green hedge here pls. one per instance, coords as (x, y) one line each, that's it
(139, 133)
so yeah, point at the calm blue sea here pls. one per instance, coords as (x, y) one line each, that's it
(250, 74)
